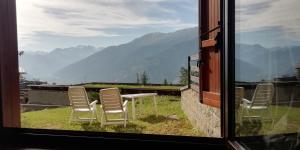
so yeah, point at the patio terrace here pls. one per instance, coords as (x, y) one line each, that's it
(170, 121)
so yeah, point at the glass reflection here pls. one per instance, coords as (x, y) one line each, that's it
(267, 67)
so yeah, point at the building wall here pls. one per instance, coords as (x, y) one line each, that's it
(202, 117)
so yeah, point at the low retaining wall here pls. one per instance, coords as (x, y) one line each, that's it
(58, 95)
(48, 97)
(173, 92)
(202, 117)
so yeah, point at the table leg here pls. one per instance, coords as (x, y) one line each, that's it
(133, 109)
(155, 105)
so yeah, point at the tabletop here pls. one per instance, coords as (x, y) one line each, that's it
(138, 95)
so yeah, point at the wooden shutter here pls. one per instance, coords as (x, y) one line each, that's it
(210, 55)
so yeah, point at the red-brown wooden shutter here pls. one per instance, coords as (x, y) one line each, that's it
(209, 54)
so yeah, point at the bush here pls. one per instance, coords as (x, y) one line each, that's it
(93, 96)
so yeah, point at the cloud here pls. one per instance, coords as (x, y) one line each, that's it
(261, 16)
(56, 17)
(256, 15)
(80, 18)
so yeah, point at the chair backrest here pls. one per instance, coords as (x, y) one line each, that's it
(263, 94)
(78, 97)
(239, 95)
(111, 99)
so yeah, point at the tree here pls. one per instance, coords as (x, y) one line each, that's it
(138, 78)
(144, 78)
(165, 82)
(183, 76)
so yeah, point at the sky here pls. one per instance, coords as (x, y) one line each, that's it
(44, 25)
(271, 23)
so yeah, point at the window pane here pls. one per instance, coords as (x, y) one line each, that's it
(136, 46)
(267, 72)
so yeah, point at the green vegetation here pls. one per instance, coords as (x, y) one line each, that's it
(144, 78)
(170, 121)
(165, 82)
(286, 120)
(183, 76)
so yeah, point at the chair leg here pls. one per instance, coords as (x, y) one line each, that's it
(241, 116)
(271, 117)
(71, 117)
(97, 117)
(94, 116)
(124, 119)
(91, 117)
(248, 115)
(102, 122)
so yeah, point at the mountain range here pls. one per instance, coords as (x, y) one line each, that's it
(160, 55)
(42, 65)
(255, 63)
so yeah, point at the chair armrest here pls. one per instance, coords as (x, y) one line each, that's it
(93, 103)
(246, 102)
(125, 103)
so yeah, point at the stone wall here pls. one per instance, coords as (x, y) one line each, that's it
(46, 97)
(202, 117)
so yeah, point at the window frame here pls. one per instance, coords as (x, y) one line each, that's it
(49, 138)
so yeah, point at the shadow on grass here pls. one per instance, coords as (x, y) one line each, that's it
(249, 127)
(93, 127)
(130, 128)
(153, 119)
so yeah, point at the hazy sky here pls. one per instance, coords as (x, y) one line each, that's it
(47, 24)
(270, 23)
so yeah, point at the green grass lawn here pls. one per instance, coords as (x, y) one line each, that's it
(146, 121)
(133, 86)
(286, 120)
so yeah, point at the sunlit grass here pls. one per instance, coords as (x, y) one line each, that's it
(146, 122)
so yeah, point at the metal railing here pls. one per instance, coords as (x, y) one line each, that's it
(194, 72)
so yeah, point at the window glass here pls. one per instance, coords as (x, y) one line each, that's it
(267, 68)
(71, 49)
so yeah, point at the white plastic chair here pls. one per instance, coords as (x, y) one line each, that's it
(261, 101)
(112, 103)
(79, 102)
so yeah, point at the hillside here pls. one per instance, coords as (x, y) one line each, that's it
(159, 54)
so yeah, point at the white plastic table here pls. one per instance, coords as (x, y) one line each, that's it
(134, 97)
